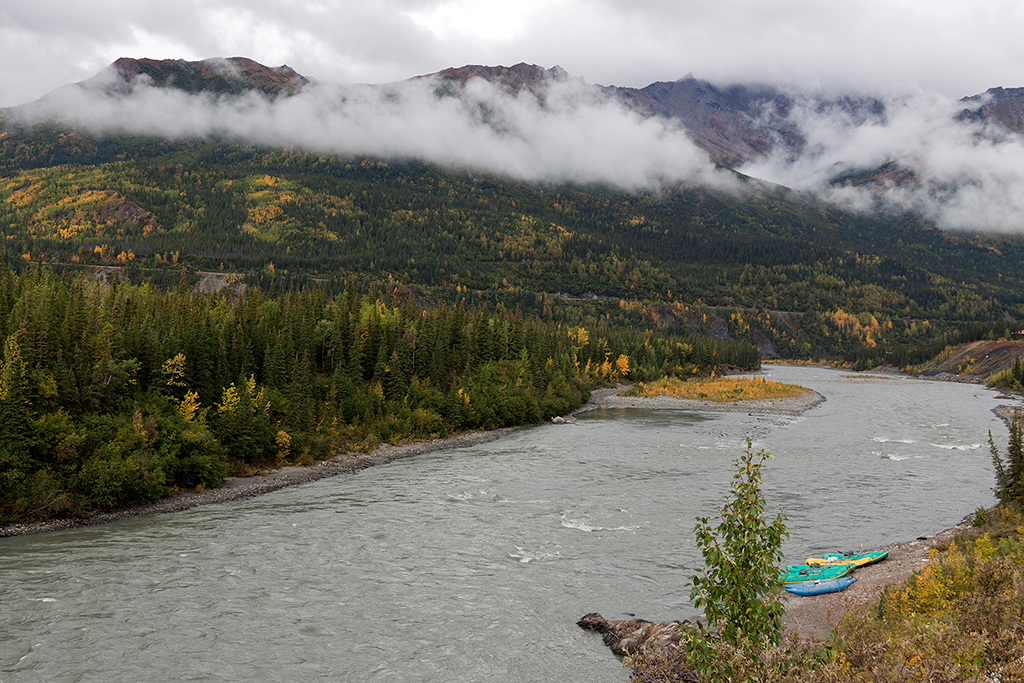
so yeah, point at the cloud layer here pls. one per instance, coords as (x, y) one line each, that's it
(955, 47)
(956, 174)
(575, 134)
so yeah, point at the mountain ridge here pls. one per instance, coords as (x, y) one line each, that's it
(232, 75)
(733, 123)
(918, 156)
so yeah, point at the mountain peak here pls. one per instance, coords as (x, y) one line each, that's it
(512, 79)
(234, 75)
(1004, 106)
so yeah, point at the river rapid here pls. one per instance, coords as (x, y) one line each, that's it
(474, 564)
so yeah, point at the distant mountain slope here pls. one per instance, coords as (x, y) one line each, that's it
(513, 79)
(732, 124)
(1001, 106)
(723, 125)
(976, 361)
(780, 270)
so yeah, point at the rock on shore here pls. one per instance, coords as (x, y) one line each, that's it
(625, 636)
(637, 636)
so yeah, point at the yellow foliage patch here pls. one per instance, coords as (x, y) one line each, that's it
(24, 196)
(265, 214)
(717, 389)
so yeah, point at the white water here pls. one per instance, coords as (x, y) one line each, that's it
(474, 564)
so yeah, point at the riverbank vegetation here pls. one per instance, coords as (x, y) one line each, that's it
(716, 389)
(1011, 379)
(113, 393)
(960, 617)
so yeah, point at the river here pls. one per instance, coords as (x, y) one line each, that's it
(474, 564)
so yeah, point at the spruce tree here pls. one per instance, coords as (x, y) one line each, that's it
(15, 422)
(1009, 470)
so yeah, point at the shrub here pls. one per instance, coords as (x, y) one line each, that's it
(737, 589)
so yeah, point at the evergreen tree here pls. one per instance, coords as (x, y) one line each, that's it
(15, 421)
(1009, 470)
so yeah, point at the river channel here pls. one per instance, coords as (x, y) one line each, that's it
(474, 564)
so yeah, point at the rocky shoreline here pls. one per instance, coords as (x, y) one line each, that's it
(234, 488)
(807, 619)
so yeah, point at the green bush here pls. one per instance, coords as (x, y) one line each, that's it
(737, 589)
(200, 459)
(111, 480)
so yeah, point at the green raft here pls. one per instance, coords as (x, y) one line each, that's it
(798, 573)
(856, 559)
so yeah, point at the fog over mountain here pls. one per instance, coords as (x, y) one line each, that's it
(567, 131)
(959, 164)
(924, 156)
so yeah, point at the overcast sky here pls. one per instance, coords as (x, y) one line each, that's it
(955, 47)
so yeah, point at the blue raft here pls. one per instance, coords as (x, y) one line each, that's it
(821, 586)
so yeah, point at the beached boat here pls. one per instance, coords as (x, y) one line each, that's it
(799, 573)
(856, 559)
(821, 587)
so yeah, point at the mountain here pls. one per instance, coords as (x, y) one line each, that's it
(729, 127)
(915, 157)
(733, 124)
(793, 275)
(1003, 107)
(231, 76)
(513, 80)
(952, 164)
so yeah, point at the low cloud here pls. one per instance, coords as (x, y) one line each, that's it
(572, 133)
(957, 174)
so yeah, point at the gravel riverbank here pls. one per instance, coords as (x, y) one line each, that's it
(609, 398)
(234, 488)
(814, 617)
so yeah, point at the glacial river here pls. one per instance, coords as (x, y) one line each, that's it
(474, 564)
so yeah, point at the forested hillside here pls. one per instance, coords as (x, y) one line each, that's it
(111, 394)
(794, 276)
(359, 300)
